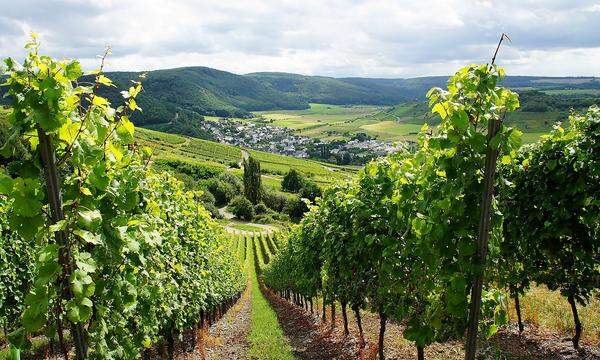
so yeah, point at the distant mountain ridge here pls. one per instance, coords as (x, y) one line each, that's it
(184, 94)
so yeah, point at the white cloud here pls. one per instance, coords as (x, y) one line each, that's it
(383, 38)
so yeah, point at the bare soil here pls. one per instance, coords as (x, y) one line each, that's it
(308, 338)
(314, 339)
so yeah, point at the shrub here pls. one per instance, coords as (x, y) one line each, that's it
(310, 191)
(264, 219)
(207, 197)
(233, 180)
(222, 191)
(295, 208)
(242, 208)
(282, 217)
(292, 182)
(274, 201)
(260, 208)
(213, 210)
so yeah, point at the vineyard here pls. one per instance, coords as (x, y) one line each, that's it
(197, 151)
(423, 253)
(94, 243)
(403, 240)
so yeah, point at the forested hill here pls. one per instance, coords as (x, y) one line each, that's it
(185, 93)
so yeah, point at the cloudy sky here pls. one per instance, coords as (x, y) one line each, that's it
(374, 38)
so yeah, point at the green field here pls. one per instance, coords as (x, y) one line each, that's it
(397, 123)
(572, 92)
(274, 166)
(336, 122)
(324, 121)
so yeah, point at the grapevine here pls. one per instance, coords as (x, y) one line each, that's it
(124, 256)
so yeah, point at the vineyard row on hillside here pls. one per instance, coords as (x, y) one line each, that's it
(97, 250)
(402, 240)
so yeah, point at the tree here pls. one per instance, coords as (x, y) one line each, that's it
(252, 181)
(225, 187)
(242, 208)
(274, 200)
(223, 191)
(292, 182)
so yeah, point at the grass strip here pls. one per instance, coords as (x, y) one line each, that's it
(266, 336)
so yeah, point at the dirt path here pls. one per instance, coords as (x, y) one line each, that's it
(308, 339)
(227, 338)
(535, 343)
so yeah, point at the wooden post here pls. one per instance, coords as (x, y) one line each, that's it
(491, 158)
(53, 190)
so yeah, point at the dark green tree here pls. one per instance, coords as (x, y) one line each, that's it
(292, 182)
(241, 208)
(252, 183)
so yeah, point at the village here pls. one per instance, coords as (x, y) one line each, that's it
(281, 140)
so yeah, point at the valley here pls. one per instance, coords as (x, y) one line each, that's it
(195, 213)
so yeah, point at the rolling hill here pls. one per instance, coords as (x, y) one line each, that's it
(176, 98)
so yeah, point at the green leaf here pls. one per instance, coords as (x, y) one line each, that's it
(125, 130)
(495, 141)
(133, 104)
(460, 120)
(90, 219)
(104, 80)
(48, 121)
(515, 138)
(6, 184)
(26, 227)
(60, 225)
(34, 316)
(100, 101)
(98, 177)
(18, 339)
(440, 109)
(27, 194)
(85, 262)
(79, 311)
(89, 237)
(73, 70)
(48, 266)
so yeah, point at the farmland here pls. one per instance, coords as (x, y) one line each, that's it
(397, 123)
(169, 146)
